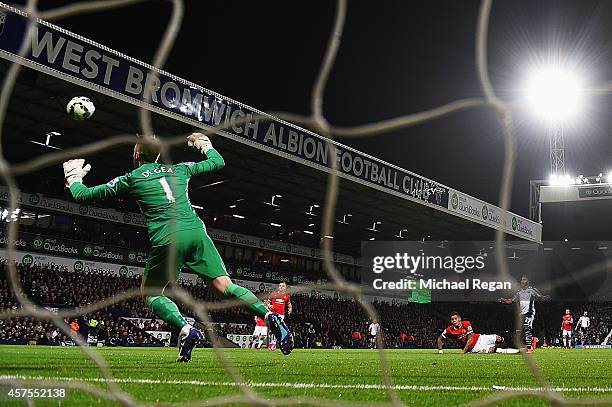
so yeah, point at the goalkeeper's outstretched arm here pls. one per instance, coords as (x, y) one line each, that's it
(74, 171)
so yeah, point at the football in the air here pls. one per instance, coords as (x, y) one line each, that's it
(80, 108)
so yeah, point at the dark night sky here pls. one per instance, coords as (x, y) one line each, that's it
(396, 57)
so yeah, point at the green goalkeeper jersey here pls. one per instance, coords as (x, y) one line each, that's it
(161, 191)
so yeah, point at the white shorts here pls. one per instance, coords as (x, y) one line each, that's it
(566, 333)
(260, 330)
(484, 343)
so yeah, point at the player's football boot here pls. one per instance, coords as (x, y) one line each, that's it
(187, 343)
(280, 330)
(534, 342)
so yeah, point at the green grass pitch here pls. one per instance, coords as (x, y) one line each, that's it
(423, 377)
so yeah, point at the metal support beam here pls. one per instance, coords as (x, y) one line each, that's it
(557, 148)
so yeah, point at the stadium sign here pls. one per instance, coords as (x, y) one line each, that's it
(162, 336)
(602, 346)
(595, 191)
(494, 217)
(19, 243)
(574, 193)
(52, 245)
(74, 265)
(27, 260)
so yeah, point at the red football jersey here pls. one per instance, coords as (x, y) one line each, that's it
(260, 322)
(279, 302)
(461, 333)
(568, 322)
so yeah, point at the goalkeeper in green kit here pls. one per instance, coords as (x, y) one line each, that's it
(161, 191)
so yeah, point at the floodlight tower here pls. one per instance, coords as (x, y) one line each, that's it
(557, 148)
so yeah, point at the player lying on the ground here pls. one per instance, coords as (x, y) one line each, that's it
(471, 342)
(161, 193)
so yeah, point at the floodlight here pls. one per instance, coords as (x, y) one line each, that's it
(554, 94)
(562, 180)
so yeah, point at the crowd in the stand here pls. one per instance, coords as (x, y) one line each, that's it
(110, 330)
(316, 321)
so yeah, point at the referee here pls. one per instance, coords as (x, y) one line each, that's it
(526, 297)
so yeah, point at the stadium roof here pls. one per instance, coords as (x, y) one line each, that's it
(255, 171)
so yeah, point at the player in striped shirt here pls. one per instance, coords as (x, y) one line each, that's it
(525, 297)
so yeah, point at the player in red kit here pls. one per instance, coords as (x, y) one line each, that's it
(470, 341)
(261, 330)
(280, 301)
(567, 326)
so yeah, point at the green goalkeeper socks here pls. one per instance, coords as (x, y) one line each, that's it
(247, 298)
(167, 310)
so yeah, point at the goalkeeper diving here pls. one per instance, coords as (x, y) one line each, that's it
(161, 191)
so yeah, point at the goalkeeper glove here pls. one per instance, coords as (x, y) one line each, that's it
(200, 142)
(74, 171)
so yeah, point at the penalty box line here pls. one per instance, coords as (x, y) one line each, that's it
(6, 378)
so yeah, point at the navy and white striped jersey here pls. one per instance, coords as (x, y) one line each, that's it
(526, 298)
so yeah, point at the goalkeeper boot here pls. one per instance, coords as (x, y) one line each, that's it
(187, 343)
(281, 332)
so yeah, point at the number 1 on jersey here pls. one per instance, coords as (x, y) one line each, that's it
(167, 190)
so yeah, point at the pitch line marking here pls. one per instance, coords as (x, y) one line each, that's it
(312, 385)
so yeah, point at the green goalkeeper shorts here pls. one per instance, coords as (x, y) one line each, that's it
(193, 249)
